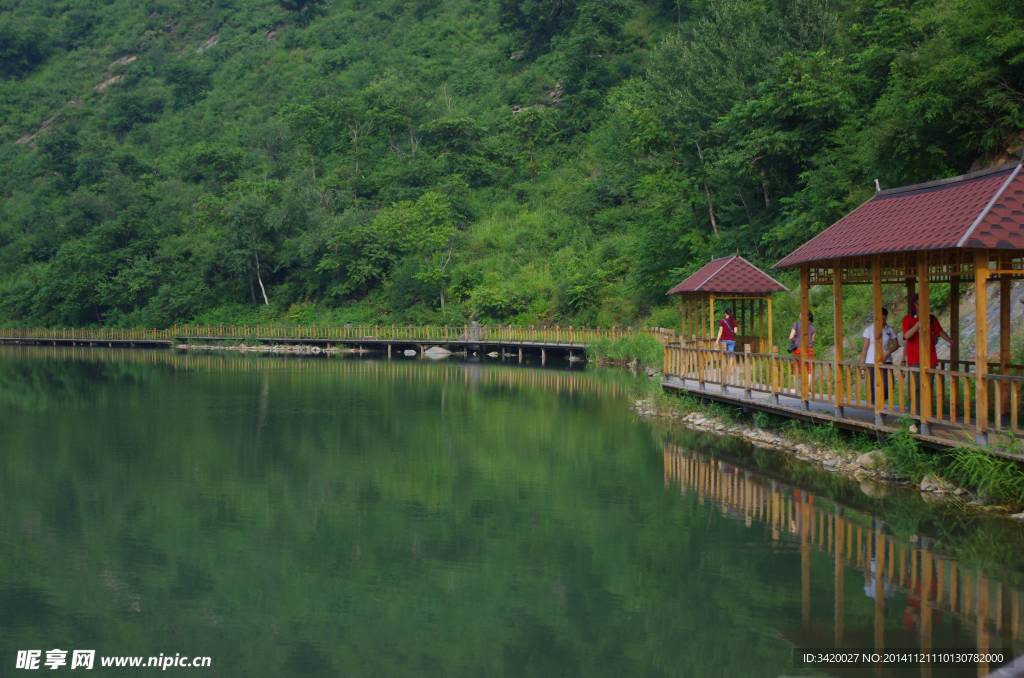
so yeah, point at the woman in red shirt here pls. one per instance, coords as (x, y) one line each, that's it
(727, 328)
(911, 351)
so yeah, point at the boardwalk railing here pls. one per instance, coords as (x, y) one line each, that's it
(954, 393)
(551, 335)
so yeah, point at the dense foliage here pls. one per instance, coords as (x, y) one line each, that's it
(513, 160)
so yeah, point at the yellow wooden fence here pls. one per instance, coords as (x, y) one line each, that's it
(550, 334)
(849, 384)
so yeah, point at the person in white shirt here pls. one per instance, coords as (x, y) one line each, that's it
(890, 342)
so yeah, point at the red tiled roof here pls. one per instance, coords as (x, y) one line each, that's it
(732, 275)
(980, 210)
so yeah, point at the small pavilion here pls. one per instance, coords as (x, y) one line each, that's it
(966, 230)
(732, 282)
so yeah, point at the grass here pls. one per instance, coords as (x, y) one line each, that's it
(640, 347)
(905, 456)
(993, 478)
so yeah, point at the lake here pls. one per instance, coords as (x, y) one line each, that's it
(355, 517)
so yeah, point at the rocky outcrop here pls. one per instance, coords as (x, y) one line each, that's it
(871, 469)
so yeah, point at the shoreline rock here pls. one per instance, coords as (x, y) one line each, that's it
(870, 469)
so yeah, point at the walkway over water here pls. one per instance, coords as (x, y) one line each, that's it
(839, 393)
(568, 341)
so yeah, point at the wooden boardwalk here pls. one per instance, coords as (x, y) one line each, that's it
(841, 394)
(853, 418)
(543, 342)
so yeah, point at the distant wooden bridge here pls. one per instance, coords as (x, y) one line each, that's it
(544, 341)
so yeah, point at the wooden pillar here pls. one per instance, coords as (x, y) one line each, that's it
(1004, 315)
(684, 314)
(924, 341)
(876, 298)
(954, 322)
(804, 339)
(762, 347)
(981, 345)
(837, 355)
(711, 317)
(1004, 333)
(771, 343)
(954, 334)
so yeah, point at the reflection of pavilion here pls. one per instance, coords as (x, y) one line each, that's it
(934, 585)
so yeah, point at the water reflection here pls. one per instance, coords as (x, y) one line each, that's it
(919, 598)
(362, 517)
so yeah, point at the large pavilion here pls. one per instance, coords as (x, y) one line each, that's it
(962, 231)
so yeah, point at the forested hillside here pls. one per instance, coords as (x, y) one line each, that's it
(440, 160)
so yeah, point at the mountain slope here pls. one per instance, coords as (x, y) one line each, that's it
(512, 160)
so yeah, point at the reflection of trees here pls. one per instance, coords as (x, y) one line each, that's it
(341, 517)
(59, 382)
(363, 529)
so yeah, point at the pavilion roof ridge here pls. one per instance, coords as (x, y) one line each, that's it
(945, 181)
(731, 274)
(979, 210)
(725, 262)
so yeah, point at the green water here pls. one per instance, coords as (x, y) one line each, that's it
(335, 517)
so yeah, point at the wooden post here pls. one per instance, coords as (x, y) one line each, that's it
(685, 315)
(805, 304)
(711, 317)
(924, 341)
(761, 347)
(837, 355)
(1004, 314)
(981, 346)
(876, 295)
(1004, 333)
(746, 370)
(954, 334)
(771, 344)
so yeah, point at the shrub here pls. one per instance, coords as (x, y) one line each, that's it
(906, 456)
(992, 477)
(641, 347)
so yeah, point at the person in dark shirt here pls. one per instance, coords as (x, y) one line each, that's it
(727, 329)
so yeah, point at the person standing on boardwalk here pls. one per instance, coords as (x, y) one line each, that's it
(794, 337)
(890, 342)
(911, 324)
(794, 345)
(727, 329)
